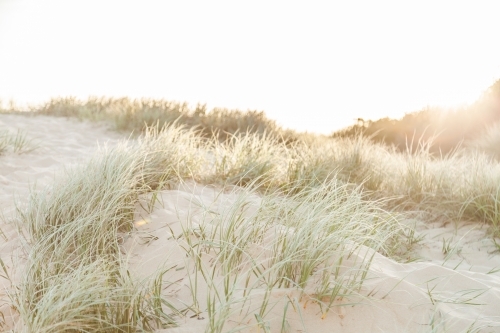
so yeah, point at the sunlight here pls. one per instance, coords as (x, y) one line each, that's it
(142, 222)
(313, 68)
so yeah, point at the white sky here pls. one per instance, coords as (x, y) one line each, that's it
(311, 65)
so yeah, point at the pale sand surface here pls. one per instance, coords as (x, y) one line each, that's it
(437, 293)
(402, 297)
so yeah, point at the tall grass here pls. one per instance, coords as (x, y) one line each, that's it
(309, 210)
(136, 115)
(245, 158)
(454, 125)
(75, 276)
(18, 143)
(489, 141)
(311, 242)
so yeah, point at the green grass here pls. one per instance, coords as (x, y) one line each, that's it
(76, 276)
(297, 241)
(18, 143)
(309, 214)
(136, 115)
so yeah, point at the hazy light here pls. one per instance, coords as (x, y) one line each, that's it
(314, 65)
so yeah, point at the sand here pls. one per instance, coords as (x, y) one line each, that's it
(455, 291)
(438, 293)
(58, 143)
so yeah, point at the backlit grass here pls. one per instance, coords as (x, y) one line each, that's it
(309, 215)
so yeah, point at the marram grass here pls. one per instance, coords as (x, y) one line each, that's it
(76, 279)
(74, 273)
(18, 143)
(320, 200)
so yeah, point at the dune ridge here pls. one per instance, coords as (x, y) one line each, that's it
(454, 286)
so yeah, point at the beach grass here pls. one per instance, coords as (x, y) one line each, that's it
(76, 275)
(18, 143)
(135, 115)
(309, 215)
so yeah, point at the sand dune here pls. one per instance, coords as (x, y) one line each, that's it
(57, 143)
(424, 296)
(456, 289)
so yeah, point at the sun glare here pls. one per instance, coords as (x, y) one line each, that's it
(313, 67)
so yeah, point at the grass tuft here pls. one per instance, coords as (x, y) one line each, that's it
(306, 218)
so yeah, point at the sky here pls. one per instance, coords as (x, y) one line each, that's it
(310, 65)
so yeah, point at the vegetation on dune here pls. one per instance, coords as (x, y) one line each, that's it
(75, 276)
(444, 129)
(136, 115)
(72, 229)
(488, 142)
(448, 128)
(17, 143)
(321, 202)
